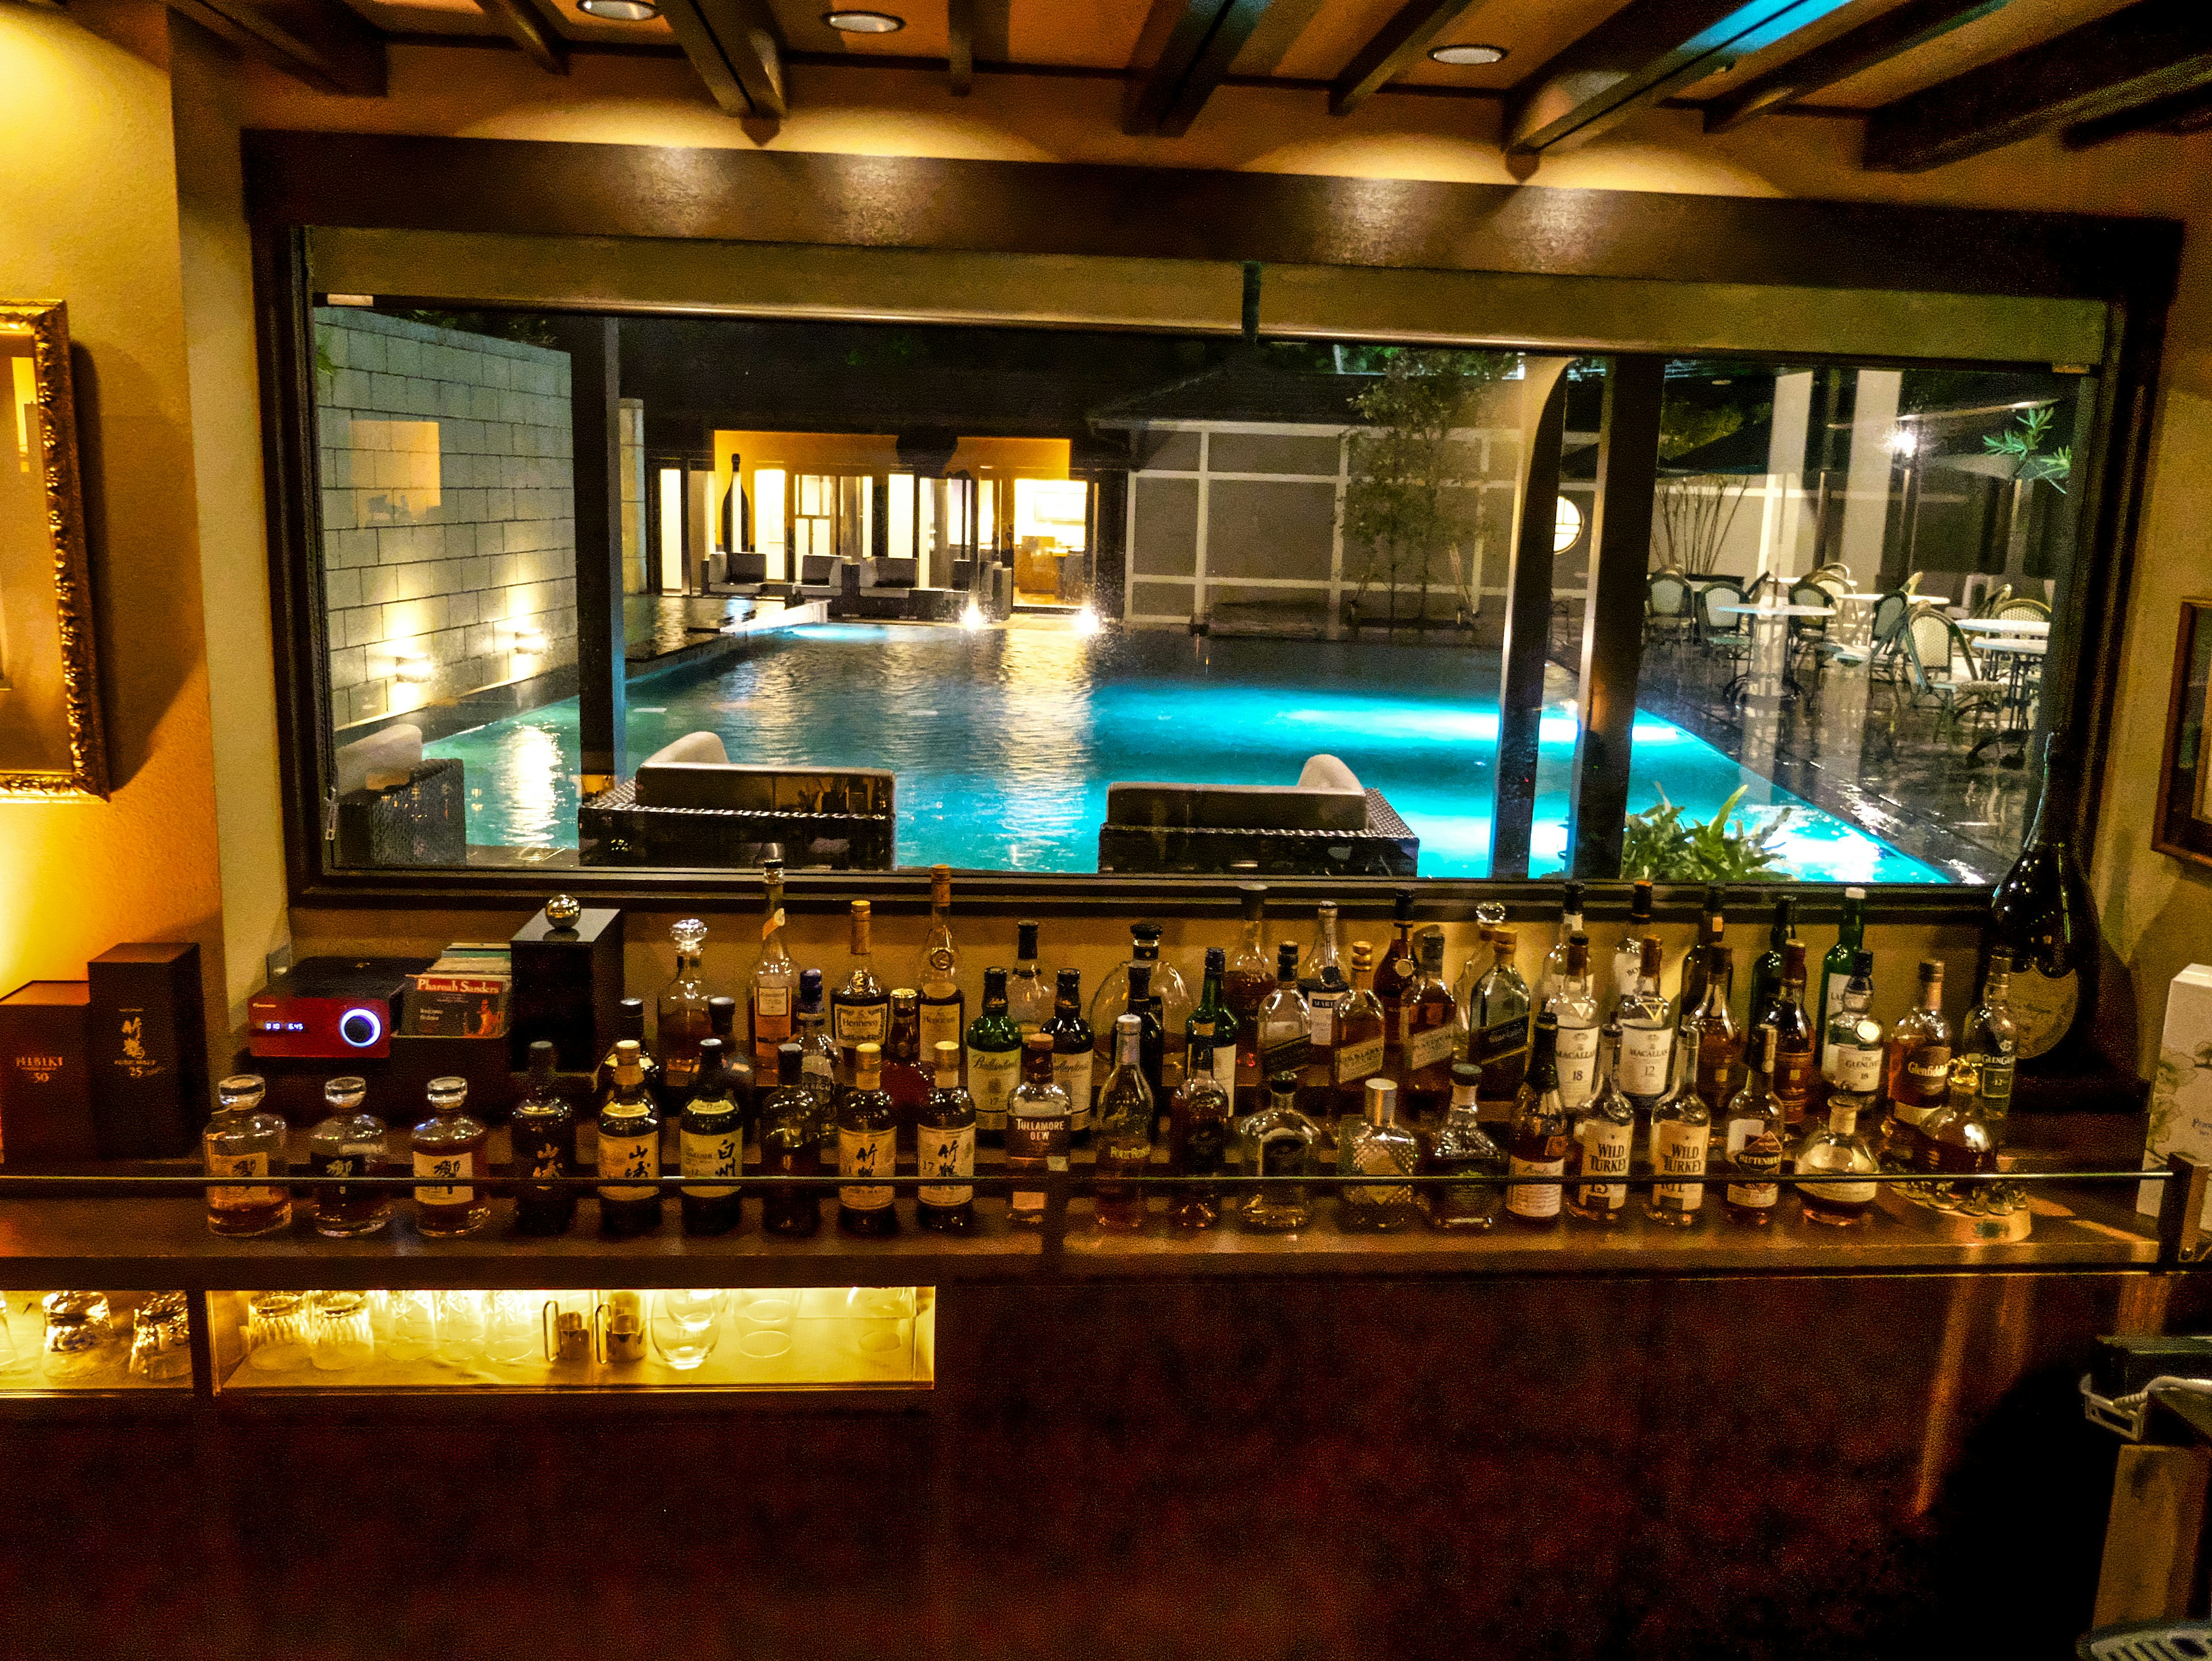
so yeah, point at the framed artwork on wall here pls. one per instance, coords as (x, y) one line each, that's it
(2184, 825)
(52, 741)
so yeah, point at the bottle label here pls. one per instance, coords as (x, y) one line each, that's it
(1072, 1073)
(1627, 969)
(1429, 1047)
(1201, 1148)
(1793, 1081)
(774, 1003)
(1577, 1055)
(540, 1154)
(1716, 1060)
(1373, 1157)
(1537, 1199)
(1754, 1151)
(815, 1063)
(443, 1165)
(1321, 1028)
(619, 1156)
(1831, 998)
(1646, 1053)
(945, 1153)
(859, 1023)
(1283, 1153)
(2043, 1009)
(1606, 1148)
(940, 1024)
(711, 1156)
(1355, 1061)
(1225, 1068)
(1997, 1084)
(1926, 1079)
(1856, 1067)
(866, 1153)
(991, 1076)
(1678, 1149)
(248, 1165)
(1840, 1193)
(1036, 1137)
(1283, 1053)
(1501, 1050)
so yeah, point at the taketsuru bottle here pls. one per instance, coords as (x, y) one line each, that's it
(867, 1149)
(944, 1148)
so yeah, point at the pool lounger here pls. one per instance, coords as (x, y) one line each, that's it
(688, 807)
(1324, 825)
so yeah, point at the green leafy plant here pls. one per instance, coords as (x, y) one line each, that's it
(1664, 845)
(2022, 443)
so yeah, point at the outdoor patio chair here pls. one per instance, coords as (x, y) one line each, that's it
(691, 805)
(1669, 608)
(2022, 607)
(1942, 669)
(1993, 599)
(1722, 635)
(1809, 636)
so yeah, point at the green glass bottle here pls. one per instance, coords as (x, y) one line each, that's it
(1213, 1023)
(995, 1060)
(1766, 970)
(1835, 969)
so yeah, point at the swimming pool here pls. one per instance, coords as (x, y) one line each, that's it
(1003, 740)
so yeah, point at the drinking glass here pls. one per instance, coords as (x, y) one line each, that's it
(684, 1327)
(276, 1330)
(76, 1331)
(161, 1337)
(510, 1327)
(461, 1325)
(765, 1317)
(340, 1334)
(414, 1317)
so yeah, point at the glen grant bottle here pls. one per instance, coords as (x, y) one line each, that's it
(2042, 915)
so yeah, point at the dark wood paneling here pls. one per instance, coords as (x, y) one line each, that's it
(326, 46)
(1877, 41)
(1394, 48)
(1013, 207)
(1527, 648)
(1201, 41)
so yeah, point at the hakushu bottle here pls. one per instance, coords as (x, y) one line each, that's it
(1753, 1133)
(1036, 1129)
(2042, 916)
(1603, 1149)
(449, 1147)
(713, 1145)
(1538, 1147)
(1572, 1003)
(860, 1006)
(350, 1143)
(1918, 1073)
(1213, 1020)
(1647, 1033)
(867, 1149)
(1497, 1029)
(1681, 1126)
(681, 1015)
(1628, 956)
(1377, 1146)
(944, 1005)
(994, 1059)
(241, 1139)
(1843, 1197)
(774, 995)
(1074, 1061)
(1852, 1057)
(629, 1146)
(1280, 1141)
(944, 1149)
(791, 1146)
(1029, 1000)
(1462, 1146)
(1836, 967)
(1126, 1109)
(541, 1135)
(1198, 1135)
(1989, 1046)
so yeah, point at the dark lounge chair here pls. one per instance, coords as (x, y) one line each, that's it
(690, 805)
(1325, 825)
(395, 809)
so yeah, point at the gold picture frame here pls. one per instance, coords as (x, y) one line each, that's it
(53, 741)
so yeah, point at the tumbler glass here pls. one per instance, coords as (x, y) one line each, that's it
(510, 1327)
(414, 1317)
(276, 1330)
(461, 1325)
(685, 1326)
(161, 1337)
(340, 1333)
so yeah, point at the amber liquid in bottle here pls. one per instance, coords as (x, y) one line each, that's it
(450, 1146)
(904, 1080)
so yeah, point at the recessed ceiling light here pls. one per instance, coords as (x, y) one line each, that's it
(1467, 52)
(619, 11)
(864, 22)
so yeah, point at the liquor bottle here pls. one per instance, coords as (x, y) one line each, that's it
(1284, 1020)
(1851, 1058)
(1572, 1002)
(905, 1080)
(1213, 1019)
(1036, 1129)
(1836, 967)
(1198, 1135)
(630, 1026)
(1628, 956)
(1794, 1071)
(1395, 972)
(1354, 1050)
(1604, 1148)
(1954, 1139)
(1462, 1146)
(712, 1144)
(860, 1005)
(817, 1071)
(1752, 1138)
(1647, 1033)
(1280, 1141)
(944, 1005)
(1426, 1012)
(1712, 930)
(1682, 1128)
(791, 1146)
(1250, 980)
(1766, 968)
(1144, 1004)
(242, 1141)
(944, 1147)
(450, 1145)
(1029, 999)
(1712, 1035)
(1555, 960)
(1837, 1147)
(350, 1143)
(1073, 1059)
(1377, 1146)
(737, 1058)
(995, 1060)
(867, 1149)
(1917, 1078)
(1497, 1031)
(1538, 1147)
(1989, 1046)
(629, 1146)
(773, 994)
(541, 1130)
(1126, 1107)
(1111, 998)
(681, 1014)
(2042, 915)
(1322, 975)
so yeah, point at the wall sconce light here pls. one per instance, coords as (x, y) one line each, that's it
(413, 667)
(529, 642)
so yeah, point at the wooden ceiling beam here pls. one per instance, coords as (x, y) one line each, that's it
(319, 42)
(1396, 47)
(1647, 51)
(960, 45)
(735, 48)
(2152, 50)
(1201, 41)
(1890, 35)
(2184, 113)
(523, 24)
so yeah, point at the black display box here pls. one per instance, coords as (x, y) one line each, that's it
(147, 1034)
(568, 987)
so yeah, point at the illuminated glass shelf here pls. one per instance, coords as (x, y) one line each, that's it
(29, 1369)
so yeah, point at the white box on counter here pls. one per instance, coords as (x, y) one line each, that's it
(2181, 1091)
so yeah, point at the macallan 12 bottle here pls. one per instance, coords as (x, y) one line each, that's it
(944, 1147)
(867, 1149)
(450, 1145)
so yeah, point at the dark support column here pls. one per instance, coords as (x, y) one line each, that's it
(593, 345)
(1527, 645)
(1613, 619)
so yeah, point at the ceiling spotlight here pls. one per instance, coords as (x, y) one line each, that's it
(864, 22)
(619, 11)
(1466, 53)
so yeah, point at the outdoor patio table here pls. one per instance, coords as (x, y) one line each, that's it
(1770, 643)
(2020, 652)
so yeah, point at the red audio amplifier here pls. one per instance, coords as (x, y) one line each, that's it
(331, 1008)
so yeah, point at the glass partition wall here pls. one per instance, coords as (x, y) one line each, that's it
(1064, 601)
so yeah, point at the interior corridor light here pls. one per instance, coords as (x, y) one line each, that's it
(864, 22)
(1466, 52)
(620, 11)
(973, 616)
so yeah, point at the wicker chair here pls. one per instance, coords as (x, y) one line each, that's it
(690, 807)
(1809, 634)
(1720, 635)
(2022, 608)
(1669, 608)
(1942, 669)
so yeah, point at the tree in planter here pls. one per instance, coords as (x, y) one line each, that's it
(1696, 511)
(1398, 513)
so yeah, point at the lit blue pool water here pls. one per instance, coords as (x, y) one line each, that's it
(1004, 741)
